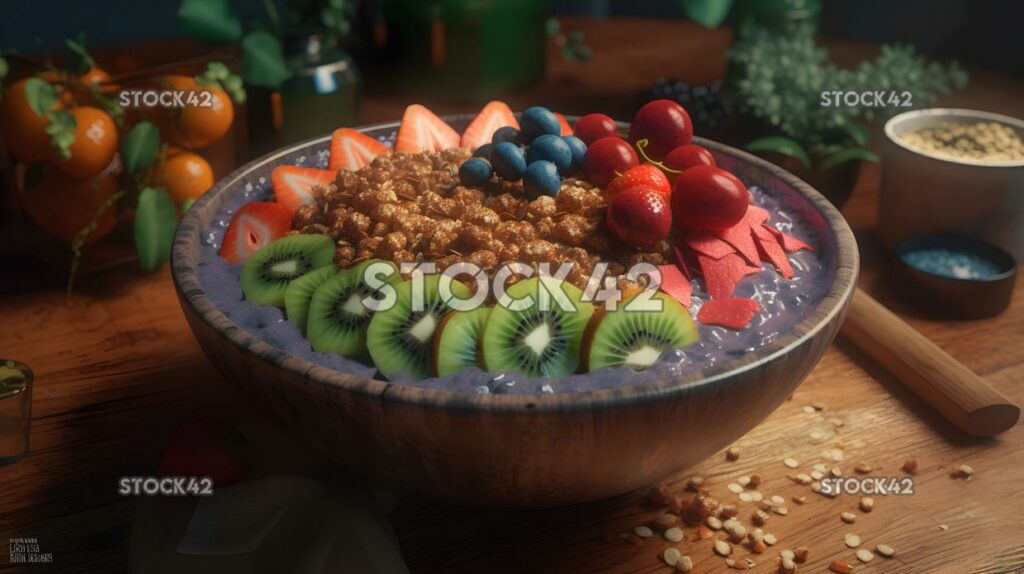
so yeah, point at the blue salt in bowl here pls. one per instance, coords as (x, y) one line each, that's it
(955, 276)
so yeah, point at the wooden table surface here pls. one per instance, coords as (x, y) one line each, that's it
(117, 370)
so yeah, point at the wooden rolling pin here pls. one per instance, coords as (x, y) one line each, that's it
(946, 384)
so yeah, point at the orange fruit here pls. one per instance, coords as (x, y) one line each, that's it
(184, 175)
(196, 126)
(23, 130)
(94, 146)
(62, 205)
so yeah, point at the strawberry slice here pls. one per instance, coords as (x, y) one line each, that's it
(772, 251)
(734, 313)
(676, 285)
(566, 128)
(293, 186)
(721, 276)
(422, 130)
(496, 114)
(351, 149)
(253, 228)
(789, 243)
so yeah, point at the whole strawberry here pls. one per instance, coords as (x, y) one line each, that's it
(639, 216)
(643, 174)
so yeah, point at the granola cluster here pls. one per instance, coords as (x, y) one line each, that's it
(411, 207)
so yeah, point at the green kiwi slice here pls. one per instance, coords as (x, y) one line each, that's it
(338, 317)
(457, 342)
(300, 293)
(266, 275)
(626, 337)
(534, 341)
(401, 339)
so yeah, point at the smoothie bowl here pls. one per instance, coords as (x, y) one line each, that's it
(601, 312)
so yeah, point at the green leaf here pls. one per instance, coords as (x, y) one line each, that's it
(41, 96)
(156, 218)
(858, 133)
(62, 129)
(707, 13)
(211, 21)
(139, 147)
(783, 145)
(263, 64)
(82, 61)
(3, 70)
(847, 154)
(187, 204)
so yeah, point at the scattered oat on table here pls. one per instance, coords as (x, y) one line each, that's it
(674, 534)
(685, 564)
(734, 488)
(732, 453)
(695, 483)
(791, 462)
(867, 503)
(852, 540)
(847, 517)
(672, 556)
(865, 555)
(722, 548)
(943, 527)
(963, 471)
(643, 531)
(713, 523)
(862, 468)
(770, 539)
(885, 550)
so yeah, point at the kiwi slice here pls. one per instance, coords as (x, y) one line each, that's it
(300, 292)
(337, 316)
(457, 342)
(626, 337)
(534, 341)
(266, 275)
(401, 339)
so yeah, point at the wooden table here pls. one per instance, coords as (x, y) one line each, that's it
(117, 370)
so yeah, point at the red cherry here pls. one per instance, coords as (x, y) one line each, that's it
(639, 216)
(686, 156)
(593, 127)
(643, 174)
(664, 124)
(710, 197)
(607, 156)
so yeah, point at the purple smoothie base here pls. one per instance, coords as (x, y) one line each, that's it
(784, 303)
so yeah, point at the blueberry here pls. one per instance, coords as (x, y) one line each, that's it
(537, 121)
(579, 151)
(505, 134)
(542, 178)
(550, 148)
(484, 151)
(475, 171)
(508, 160)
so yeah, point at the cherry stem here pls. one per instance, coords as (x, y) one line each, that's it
(640, 145)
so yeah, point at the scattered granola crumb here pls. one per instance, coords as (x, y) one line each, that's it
(722, 548)
(703, 532)
(867, 504)
(734, 488)
(778, 500)
(685, 564)
(780, 510)
(758, 546)
(756, 496)
(672, 556)
(943, 527)
(664, 521)
(787, 554)
(848, 517)
(840, 567)
(809, 409)
(885, 550)
(817, 474)
(863, 468)
(755, 480)
(728, 511)
(963, 471)
(865, 555)
(713, 523)
(643, 531)
(674, 534)
(802, 478)
(760, 517)
(791, 462)
(743, 481)
(801, 554)
(746, 497)
(732, 453)
(659, 495)
(695, 483)
(852, 540)
(910, 466)
(800, 499)
(770, 539)
(787, 566)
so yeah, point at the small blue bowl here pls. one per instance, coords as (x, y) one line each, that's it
(954, 275)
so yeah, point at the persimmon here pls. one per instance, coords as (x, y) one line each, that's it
(184, 175)
(94, 146)
(203, 120)
(62, 205)
(23, 130)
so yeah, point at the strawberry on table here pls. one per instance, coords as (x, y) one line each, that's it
(422, 130)
(293, 186)
(496, 114)
(254, 226)
(351, 149)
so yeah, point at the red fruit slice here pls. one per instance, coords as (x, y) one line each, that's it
(733, 313)
(772, 251)
(682, 262)
(351, 149)
(675, 284)
(422, 130)
(722, 275)
(741, 237)
(789, 243)
(293, 186)
(253, 228)
(495, 115)
(707, 242)
(757, 214)
(566, 128)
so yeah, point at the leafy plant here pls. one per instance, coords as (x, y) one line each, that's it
(778, 77)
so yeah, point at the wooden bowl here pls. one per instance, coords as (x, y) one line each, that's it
(518, 451)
